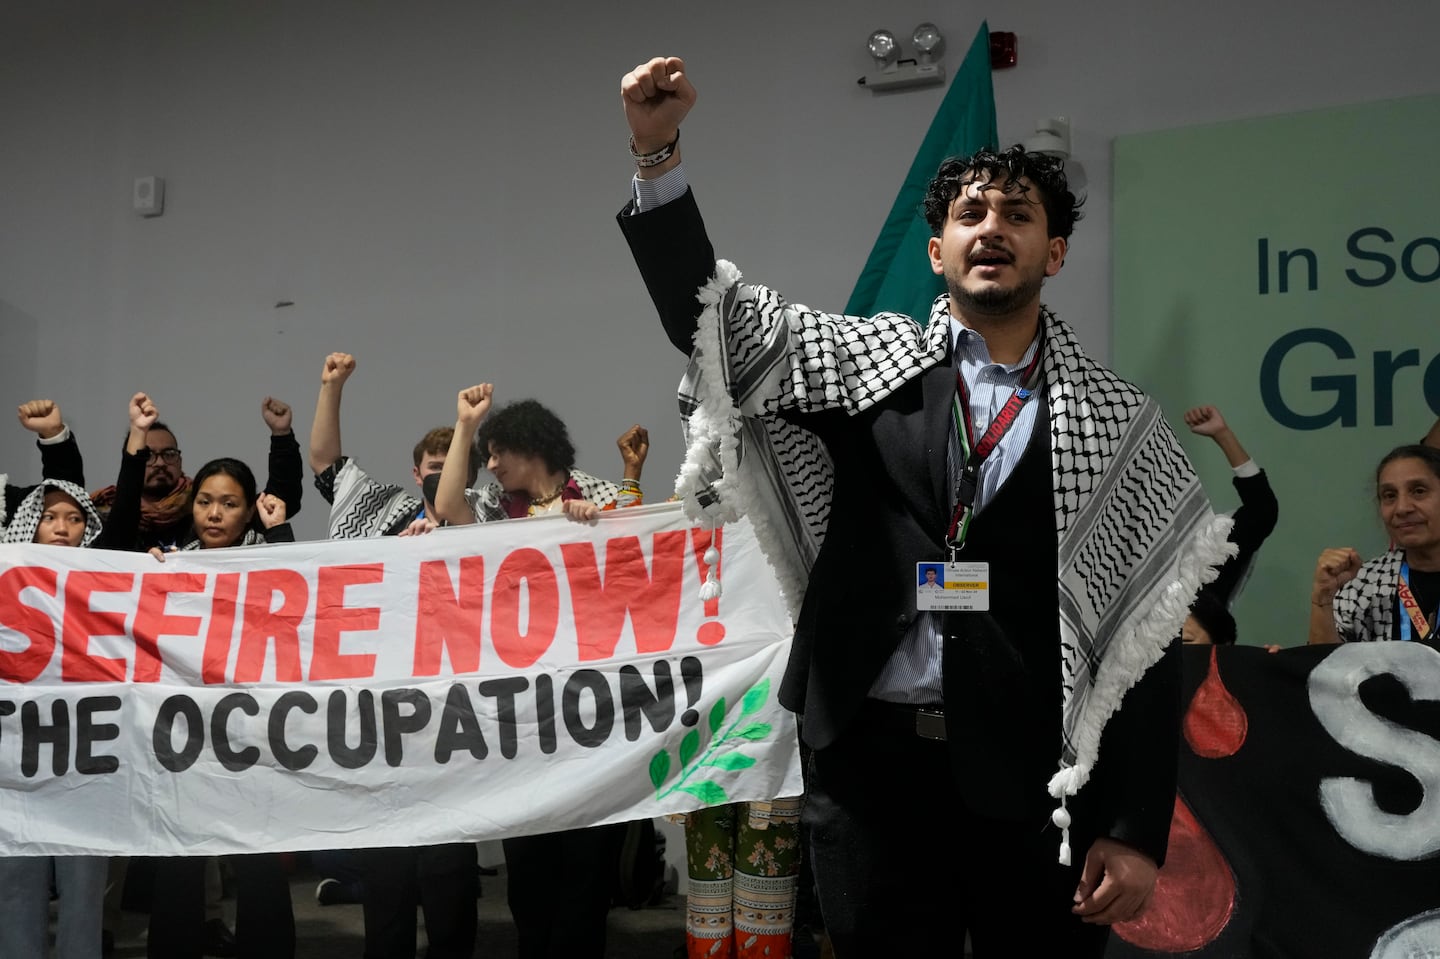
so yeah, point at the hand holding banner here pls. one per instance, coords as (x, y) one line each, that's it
(474, 683)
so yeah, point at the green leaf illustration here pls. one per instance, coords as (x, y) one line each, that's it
(755, 698)
(659, 768)
(689, 746)
(754, 731)
(707, 792)
(718, 752)
(732, 761)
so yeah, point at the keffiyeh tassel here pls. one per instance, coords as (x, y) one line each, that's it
(710, 589)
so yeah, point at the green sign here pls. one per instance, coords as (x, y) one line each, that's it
(1287, 270)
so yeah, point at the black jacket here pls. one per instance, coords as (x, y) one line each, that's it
(889, 511)
(60, 461)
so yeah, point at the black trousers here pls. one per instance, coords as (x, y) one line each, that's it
(264, 916)
(902, 868)
(441, 880)
(559, 889)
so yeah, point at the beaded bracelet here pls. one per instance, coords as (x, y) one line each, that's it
(644, 160)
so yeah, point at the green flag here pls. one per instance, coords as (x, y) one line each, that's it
(898, 276)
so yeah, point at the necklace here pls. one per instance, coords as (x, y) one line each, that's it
(540, 503)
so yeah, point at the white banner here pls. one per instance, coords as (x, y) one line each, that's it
(475, 683)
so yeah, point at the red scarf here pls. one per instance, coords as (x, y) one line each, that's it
(157, 515)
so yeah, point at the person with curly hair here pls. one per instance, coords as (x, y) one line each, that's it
(983, 436)
(528, 451)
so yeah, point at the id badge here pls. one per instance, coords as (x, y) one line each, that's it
(950, 587)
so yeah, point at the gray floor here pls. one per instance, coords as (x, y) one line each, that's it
(336, 932)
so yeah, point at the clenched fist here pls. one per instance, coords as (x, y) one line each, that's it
(277, 415)
(338, 367)
(41, 417)
(473, 404)
(1336, 567)
(143, 413)
(1204, 421)
(657, 96)
(634, 447)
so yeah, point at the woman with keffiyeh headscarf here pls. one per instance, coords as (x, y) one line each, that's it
(55, 513)
(59, 453)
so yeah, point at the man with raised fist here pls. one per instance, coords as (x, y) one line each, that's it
(957, 756)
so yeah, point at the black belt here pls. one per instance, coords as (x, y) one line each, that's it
(927, 722)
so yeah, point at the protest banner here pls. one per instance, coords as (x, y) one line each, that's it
(1308, 819)
(475, 683)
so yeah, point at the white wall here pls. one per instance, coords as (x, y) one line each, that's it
(432, 184)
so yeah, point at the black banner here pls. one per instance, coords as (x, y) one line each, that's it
(1308, 819)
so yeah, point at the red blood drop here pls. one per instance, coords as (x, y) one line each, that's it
(1194, 894)
(1215, 723)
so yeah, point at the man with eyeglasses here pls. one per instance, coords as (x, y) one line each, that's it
(165, 498)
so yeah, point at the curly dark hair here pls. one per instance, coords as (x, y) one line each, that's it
(527, 428)
(1019, 171)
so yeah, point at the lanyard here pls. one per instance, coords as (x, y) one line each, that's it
(1410, 611)
(975, 455)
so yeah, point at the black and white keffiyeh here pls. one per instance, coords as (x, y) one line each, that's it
(1365, 607)
(362, 507)
(251, 537)
(486, 502)
(1137, 537)
(26, 521)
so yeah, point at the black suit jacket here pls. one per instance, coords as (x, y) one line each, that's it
(889, 511)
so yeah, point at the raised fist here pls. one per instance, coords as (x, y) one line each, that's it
(277, 415)
(338, 367)
(634, 447)
(143, 413)
(41, 417)
(1205, 421)
(473, 404)
(657, 97)
(1335, 568)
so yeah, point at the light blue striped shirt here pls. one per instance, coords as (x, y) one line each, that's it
(913, 672)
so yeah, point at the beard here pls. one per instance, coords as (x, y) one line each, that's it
(997, 300)
(159, 483)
